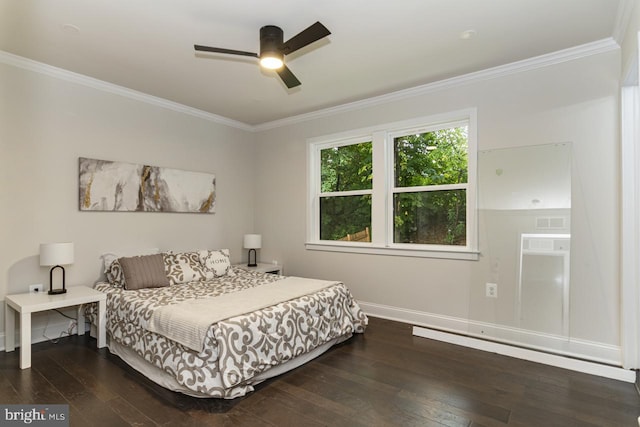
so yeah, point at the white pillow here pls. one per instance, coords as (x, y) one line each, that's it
(216, 263)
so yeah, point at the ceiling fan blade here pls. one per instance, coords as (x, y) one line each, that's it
(304, 38)
(287, 77)
(221, 50)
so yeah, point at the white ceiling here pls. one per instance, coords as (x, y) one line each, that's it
(376, 47)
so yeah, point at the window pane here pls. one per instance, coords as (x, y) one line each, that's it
(345, 218)
(431, 158)
(430, 217)
(346, 168)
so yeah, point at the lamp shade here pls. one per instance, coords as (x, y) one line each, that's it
(252, 241)
(56, 253)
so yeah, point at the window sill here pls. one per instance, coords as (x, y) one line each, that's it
(366, 248)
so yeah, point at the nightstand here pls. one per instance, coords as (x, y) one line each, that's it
(262, 268)
(32, 302)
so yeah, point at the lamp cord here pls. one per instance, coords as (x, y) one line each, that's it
(67, 316)
(67, 332)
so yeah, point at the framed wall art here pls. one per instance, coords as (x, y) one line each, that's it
(118, 186)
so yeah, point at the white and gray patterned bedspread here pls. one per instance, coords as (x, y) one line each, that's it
(240, 347)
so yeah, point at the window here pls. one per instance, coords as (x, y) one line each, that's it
(345, 191)
(403, 189)
(430, 186)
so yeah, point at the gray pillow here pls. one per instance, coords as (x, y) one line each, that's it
(144, 272)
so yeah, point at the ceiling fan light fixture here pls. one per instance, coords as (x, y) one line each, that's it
(273, 49)
(271, 55)
(272, 62)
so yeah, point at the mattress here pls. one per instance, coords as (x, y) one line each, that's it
(237, 352)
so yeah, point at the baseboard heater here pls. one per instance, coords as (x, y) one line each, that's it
(593, 368)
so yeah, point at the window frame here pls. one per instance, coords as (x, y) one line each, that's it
(317, 183)
(383, 188)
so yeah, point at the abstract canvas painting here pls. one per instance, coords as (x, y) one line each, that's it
(117, 186)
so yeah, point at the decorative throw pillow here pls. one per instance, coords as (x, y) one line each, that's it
(144, 272)
(113, 269)
(183, 267)
(115, 275)
(216, 263)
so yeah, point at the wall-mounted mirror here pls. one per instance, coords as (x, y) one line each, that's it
(524, 216)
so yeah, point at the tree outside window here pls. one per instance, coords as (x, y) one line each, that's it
(430, 177)
(346, 183)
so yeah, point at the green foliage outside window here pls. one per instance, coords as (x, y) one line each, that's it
(428, 159)
(345, 168)
(425, 216)
(344, 216)
(430, 217)
(431, 158)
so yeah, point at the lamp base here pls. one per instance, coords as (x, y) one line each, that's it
(56, 291)
(255, 260)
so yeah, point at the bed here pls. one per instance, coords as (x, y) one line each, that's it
(193, 323)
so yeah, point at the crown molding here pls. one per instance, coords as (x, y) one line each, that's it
(70, 76)
(558, 57)
(565, 55)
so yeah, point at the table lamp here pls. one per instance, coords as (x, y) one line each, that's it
(57, 255)
(252, 242)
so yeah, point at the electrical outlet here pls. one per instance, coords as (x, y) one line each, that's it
(36, 288)
(492, 290)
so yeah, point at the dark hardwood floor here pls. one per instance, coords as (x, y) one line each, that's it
(385, 377)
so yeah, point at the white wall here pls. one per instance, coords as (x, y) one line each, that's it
(629, 42)
(47, 123)
(573, 102)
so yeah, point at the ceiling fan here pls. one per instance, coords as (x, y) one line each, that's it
(273, 49)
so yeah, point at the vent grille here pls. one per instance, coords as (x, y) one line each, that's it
(546, 244)
(550, 222)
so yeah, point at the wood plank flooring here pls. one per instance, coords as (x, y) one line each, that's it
(385, 377)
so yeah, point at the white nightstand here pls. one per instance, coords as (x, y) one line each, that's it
(32, 302)
(262, 268)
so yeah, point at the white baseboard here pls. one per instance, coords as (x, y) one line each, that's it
(584, 366)
(569, 353)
